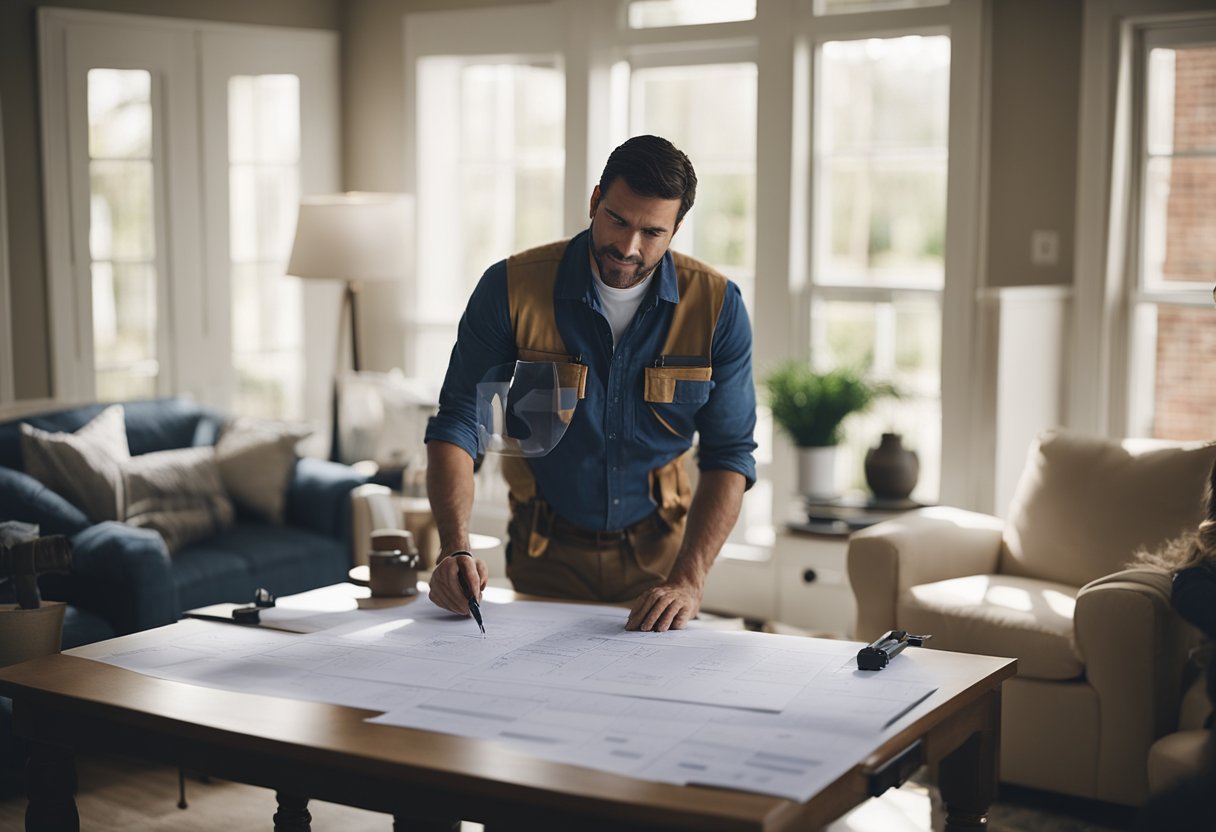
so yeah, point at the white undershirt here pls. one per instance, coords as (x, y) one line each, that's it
(620, 305)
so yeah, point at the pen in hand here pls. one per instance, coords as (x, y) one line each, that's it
(473, 607)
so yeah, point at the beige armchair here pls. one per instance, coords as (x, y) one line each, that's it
(1100, 651)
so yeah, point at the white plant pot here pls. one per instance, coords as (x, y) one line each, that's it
(817, 473)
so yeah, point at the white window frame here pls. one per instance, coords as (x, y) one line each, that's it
(1102, 369)
(194, 347)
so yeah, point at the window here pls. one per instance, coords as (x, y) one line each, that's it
(177, 154)
(648, 14)
(879, 230)
(1173, 379)
(685, 104)
(825, 7)
(822, 147)
(122, 234)
(493, 134)
(263, 195)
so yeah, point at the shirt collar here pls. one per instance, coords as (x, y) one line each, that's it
(574, 281)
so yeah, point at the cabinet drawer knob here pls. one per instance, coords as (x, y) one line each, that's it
(809, 576)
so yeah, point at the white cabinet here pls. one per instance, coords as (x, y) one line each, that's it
(802, 581)
(812, 584)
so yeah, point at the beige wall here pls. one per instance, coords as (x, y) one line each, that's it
(22, 146)
(1036, 82)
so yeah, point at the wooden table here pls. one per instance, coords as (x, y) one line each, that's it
(305, 750)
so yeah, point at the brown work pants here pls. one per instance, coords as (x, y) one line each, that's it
(579, 565)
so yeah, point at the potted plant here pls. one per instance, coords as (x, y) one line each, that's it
(810, 407)
(30, 627)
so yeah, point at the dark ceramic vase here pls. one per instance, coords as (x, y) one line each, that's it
(891, 469)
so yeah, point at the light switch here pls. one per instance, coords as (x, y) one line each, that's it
(1044, 248)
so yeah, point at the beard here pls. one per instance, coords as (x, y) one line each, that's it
(617, 270)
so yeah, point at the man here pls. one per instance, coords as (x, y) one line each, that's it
(658, 347)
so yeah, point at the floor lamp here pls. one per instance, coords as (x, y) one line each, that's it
(356, 238)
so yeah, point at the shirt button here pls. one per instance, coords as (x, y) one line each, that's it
(612, 436)
(616, 502)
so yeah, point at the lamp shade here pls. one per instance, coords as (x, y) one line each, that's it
(351, 236)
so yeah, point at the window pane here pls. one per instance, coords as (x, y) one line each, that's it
(849, 6)
(884, 221)
(136, 382)
(120, 211)
(264, 192)
(1172, 377)
(881, 147)
(1181, 111)
(494, 138)
(122, 233)
(264, 118)
(1179, 185)
(709, 112)
(1180, 220)
(124, 320)
(120, 114)
(262, 219)
(269, 384)
(646, 14)
(898, 342)
(1184, 389)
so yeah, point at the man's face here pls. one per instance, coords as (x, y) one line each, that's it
(629, 233)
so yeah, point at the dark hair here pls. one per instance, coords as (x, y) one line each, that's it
(653, 166)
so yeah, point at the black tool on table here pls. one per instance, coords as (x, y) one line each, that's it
(877, 655)
(262, 599)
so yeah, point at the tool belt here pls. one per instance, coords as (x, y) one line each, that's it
(564, 531)
(669, 484)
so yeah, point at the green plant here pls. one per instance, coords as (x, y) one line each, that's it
(810, 406)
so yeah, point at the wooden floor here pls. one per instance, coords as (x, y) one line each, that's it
(125, 795)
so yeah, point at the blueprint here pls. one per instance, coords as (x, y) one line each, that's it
(780, 715)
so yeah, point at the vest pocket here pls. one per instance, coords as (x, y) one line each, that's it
(678, 385)
(673, 395)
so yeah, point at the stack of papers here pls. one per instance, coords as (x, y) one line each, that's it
(779, 715)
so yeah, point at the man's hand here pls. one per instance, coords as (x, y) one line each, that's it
(446, 591)
(666, 607)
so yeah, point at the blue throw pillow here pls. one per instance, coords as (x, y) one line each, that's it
(24, 498)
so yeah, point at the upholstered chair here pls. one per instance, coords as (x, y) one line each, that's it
(1101, 653)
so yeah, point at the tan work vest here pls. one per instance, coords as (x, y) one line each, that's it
(531, 279)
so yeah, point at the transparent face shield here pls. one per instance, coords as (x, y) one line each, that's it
(523, 409)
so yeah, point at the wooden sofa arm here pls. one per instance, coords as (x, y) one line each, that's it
(923, 546)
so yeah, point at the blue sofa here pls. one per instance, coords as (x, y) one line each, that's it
(123, 578)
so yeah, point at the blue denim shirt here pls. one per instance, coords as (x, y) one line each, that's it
(598, 475)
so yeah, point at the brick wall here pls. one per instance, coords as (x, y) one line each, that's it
(1185, 406)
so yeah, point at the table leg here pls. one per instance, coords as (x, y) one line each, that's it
(293, 815)
(967, 777)
(51, 787)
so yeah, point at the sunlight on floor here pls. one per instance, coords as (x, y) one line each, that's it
(906, 809)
